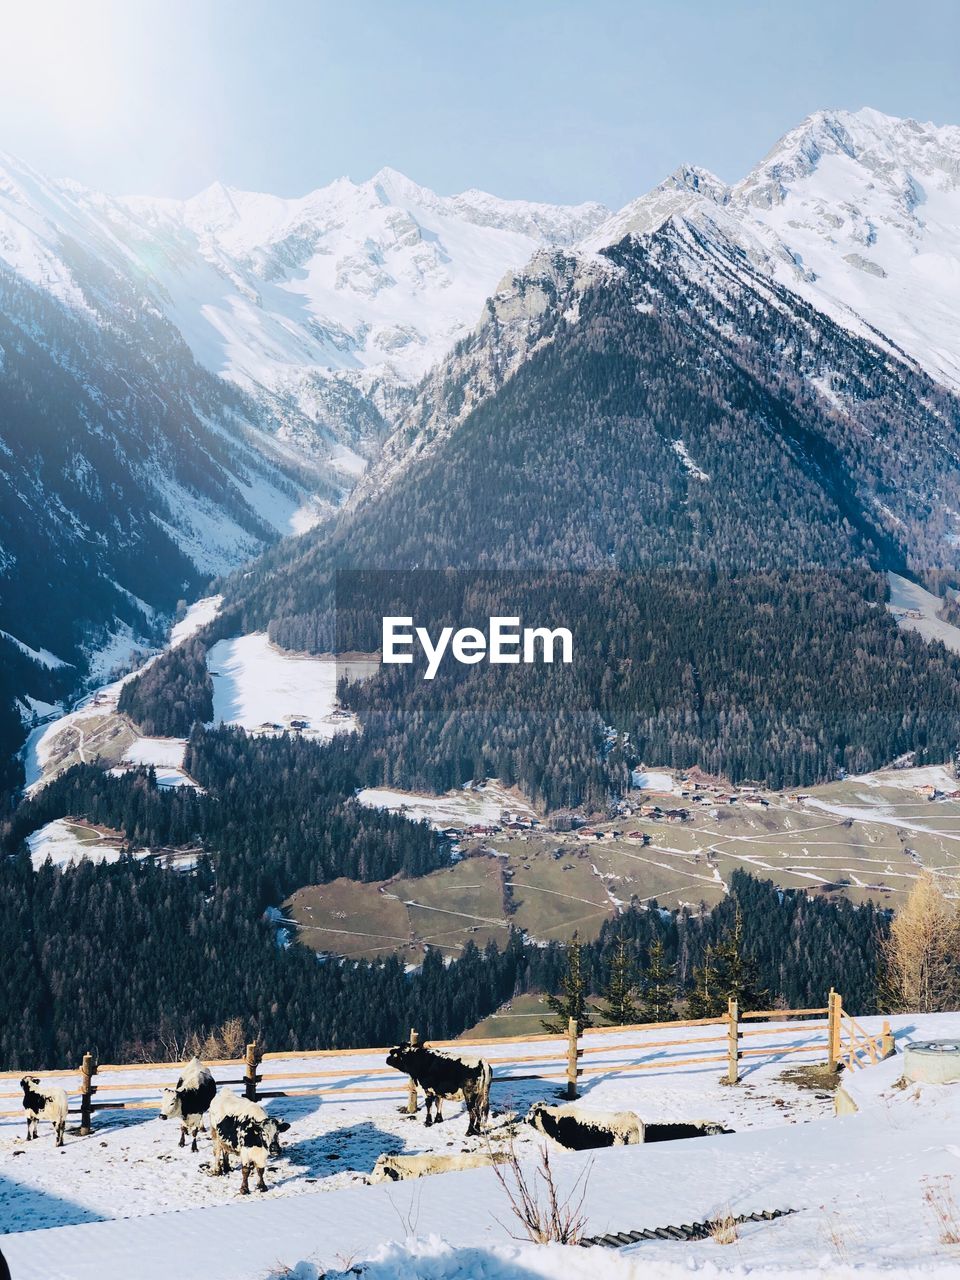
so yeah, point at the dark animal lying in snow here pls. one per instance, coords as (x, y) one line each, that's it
(190, 1099)
(442, 1077)
(579, 1129)
(44, 1102)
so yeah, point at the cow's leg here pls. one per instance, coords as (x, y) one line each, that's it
(183, 1135)
(261, 1185)
(429, 1100)
(439, 1119)
(29, 1134)
(244, 1178)
(59, 1128)
(193, 1145)
(473, 1110)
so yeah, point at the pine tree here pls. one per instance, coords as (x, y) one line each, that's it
(705, 999)
(572, 1000)
(619, 1007)
(738, 976)
(659, 988)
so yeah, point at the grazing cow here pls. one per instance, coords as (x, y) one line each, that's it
(189, 1099)
(579, 1129)
(44, 1102)
(400, 1168)
(442, 1077)
(243, 1129)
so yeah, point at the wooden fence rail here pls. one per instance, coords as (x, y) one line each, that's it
(840, 1037)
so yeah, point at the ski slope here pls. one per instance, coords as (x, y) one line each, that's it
(134, 1205)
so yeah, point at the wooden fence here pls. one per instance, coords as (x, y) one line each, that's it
(565, 1058)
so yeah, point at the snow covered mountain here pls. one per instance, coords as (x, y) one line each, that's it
(854, 213)
(325, 307)
(181, 382)
(858, 212)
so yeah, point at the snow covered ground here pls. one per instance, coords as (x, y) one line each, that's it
(65, 841)
(480, 805)
(654, 780)
(866, 1187)
(916, 610)
(261, 687)
(199, 614)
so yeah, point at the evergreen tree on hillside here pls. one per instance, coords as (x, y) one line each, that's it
(737, 973)
(706, 998)
(659, 988)
(619, 1006)
(571, 1002)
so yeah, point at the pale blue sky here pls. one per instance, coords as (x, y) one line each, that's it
(570, 100)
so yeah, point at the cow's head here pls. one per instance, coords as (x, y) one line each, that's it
(535, 1113)
(30, 1082)
(169, 1104)
(272, 1129)
(403, 1055)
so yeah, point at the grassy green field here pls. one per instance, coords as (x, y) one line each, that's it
(863, 838)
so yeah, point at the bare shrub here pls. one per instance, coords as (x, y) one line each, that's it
(939, 1198)
(723, 1228)
(536, 1202)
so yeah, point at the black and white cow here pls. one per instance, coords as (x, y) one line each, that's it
(578, 1128)
(44, 1102)
(189, 1100)
(440, 1076)
(243, 1129)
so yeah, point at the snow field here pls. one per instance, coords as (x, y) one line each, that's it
(861, 1185)
(261, 687)
(470, 805)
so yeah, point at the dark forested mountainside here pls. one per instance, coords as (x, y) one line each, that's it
(679, 412)
(784, 678)
(173, 693)
(781, 678)
(181, 953)
(275, 814)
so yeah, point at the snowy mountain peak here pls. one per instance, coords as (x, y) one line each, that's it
(686, 187)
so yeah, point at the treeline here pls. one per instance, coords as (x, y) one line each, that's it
(116, 958)
(274, 814)
(782, 678)
(120, 958)
(172, 694)
(798, 945)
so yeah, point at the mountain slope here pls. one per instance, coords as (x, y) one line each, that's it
(332, 303)
(856, 211)
(130, 470)
(669, 405)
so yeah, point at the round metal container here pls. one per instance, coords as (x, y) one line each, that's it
(933, 1061)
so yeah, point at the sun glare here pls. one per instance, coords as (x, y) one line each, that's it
(58, 60)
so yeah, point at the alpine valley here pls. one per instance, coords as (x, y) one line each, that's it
(715, 433)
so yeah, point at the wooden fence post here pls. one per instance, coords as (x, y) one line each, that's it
(250, 1077)
(888, 1046)
(412, 1091)
(87, 1089)
(833, 1030)
(733, 1043)
(572, 1057)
